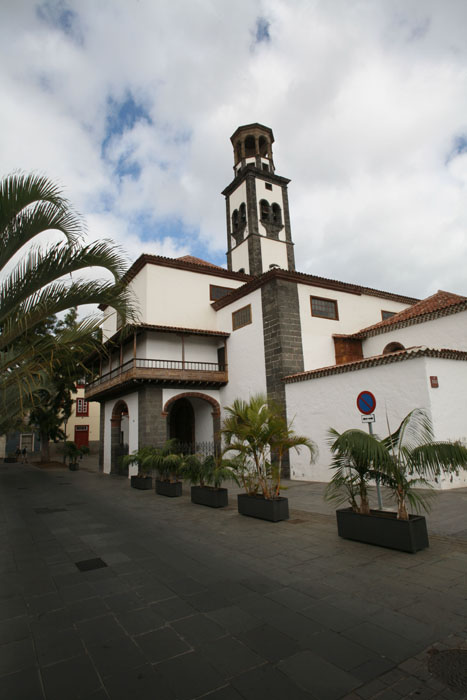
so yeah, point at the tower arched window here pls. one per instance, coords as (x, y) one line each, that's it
(242, 214)
(264, 210)
(276, 214)
(238, 149)
(235, 221)
(250, 146)
(263, 147)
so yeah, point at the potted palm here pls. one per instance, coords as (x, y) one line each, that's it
(74, 453)
(143, 479)
(168, 463)
(206, 476)
(406, 460)
(258, 435)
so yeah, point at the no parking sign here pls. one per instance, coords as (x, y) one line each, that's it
(366, 402)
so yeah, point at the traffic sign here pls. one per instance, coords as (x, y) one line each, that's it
(366, 402)
(368, 419)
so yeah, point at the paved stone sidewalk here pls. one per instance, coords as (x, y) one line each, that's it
(190, 602)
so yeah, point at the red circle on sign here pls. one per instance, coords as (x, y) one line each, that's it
(366, 402)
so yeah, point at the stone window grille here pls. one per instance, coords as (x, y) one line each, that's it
(241, 317)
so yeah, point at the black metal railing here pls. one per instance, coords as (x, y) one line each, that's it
(204, 448)
(142, 363)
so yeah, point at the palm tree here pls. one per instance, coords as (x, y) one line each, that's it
(258, 432)
(37, 283)
(405, 460)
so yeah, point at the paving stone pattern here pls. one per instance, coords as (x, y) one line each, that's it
(202, 603)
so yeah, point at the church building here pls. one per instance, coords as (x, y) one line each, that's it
(207, 335)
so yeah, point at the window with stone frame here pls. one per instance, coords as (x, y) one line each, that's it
(322, 307)
(82, 407)
(241, 317)
(216, 292)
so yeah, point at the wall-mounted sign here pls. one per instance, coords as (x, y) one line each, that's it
(366, 402)
(434, 382)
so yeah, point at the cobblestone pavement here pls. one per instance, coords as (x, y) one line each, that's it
(173, 601)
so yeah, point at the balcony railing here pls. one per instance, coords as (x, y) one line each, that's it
(164, 370)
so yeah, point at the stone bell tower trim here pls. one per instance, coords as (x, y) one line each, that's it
(257, 206)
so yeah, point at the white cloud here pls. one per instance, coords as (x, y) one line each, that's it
(366, 99)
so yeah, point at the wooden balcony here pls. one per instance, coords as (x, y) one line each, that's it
(167, 372)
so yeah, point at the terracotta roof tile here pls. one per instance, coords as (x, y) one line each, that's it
(197, 261)
(375, 360)
(439, 304)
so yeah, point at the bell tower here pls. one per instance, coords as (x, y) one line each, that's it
(257, 204)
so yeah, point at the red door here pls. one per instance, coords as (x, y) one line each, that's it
(82, 435)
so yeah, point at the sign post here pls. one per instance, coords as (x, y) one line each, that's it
(366, 404)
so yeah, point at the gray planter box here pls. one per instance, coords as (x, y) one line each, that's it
(383, 529)
(143, 483)
(209, 496)
(259, 507)
(169, 488)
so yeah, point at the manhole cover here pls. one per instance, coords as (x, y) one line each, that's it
(449, 666)
(90, 564)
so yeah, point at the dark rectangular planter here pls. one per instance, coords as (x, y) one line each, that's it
(169, 488)
(141, 482)
(73, 467)
(259, 507)
(383, 529)
(10, 460)
(209, 496)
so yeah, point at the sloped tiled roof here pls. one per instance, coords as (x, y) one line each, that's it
(311, 280)
(197, 261)
(375, 360)
(435, 306)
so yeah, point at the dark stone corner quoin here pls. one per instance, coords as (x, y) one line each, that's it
(383, 529)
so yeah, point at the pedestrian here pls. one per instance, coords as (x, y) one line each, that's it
(24, 452)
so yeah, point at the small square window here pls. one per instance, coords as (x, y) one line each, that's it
(268, 186)
(265, 166)
(216, 292)
(387, 314)
(324, 308)
(242, 317)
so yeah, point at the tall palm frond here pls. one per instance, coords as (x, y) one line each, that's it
(40, 284)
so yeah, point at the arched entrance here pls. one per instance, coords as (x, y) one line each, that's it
(182, 422)
(119, 425)
(193, 419)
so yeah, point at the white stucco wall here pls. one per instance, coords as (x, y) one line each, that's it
(449, 406)
(355, 312)
(446, 332)
(318, 404)
(273, 253)
(240, 258)
(131, 401)
(174, 297)
(245, 352)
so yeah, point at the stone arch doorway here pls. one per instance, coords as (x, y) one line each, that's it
(182, 422)
(119, 426)
(196, 417)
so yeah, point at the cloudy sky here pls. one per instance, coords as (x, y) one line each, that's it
(130, 104)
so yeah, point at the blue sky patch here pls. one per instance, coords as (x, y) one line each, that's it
(459, 146)
(262, 30)
(59, 16)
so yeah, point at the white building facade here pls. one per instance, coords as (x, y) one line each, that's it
(207, 335)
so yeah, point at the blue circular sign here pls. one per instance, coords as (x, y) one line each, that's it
(366, 402)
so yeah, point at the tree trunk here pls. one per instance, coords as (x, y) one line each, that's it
(402, 513)
(45, 453)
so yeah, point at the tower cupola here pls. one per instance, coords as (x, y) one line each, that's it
(252, 145)
(258, 221)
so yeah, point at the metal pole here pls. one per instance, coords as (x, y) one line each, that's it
(378, 488)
